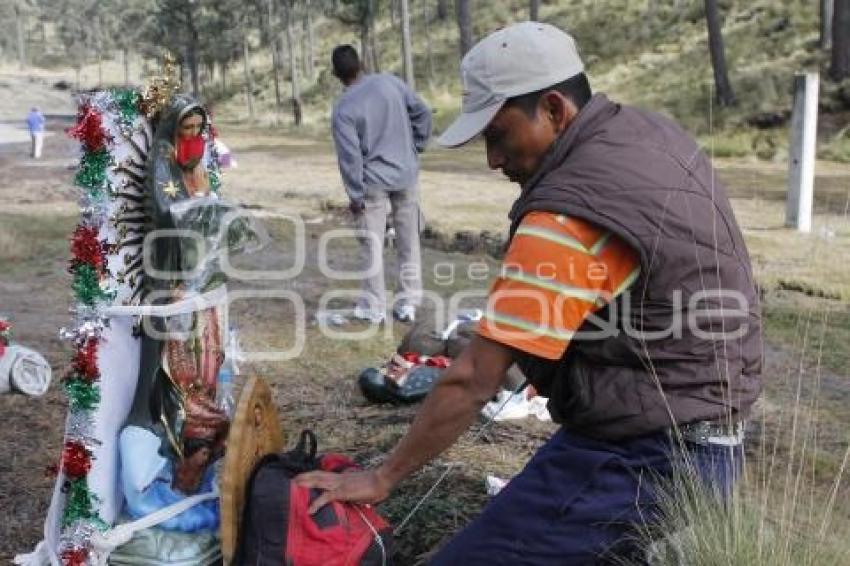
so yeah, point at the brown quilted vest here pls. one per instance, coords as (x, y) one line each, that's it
(642, 177)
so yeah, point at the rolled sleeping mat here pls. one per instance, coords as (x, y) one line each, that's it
(24, 370)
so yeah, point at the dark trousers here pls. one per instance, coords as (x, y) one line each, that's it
(578, 500)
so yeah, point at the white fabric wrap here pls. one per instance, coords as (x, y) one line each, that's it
(118, 360)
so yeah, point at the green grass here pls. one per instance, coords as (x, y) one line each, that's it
(643, 52)
(828, 322)
(33, 242)
(836, 149)
(814, 328)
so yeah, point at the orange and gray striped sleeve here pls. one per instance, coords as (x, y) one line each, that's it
(556, 272)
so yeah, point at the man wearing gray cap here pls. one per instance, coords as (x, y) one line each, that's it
(626, 297)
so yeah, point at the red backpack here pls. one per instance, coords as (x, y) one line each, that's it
(277, 530)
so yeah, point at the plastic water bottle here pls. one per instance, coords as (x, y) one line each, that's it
(224, 390)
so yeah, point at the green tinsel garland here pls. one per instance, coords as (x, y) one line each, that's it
(79, 505)
(92, 172)
(82, 395)
(87, 287)
(127, 101)
(215, 180)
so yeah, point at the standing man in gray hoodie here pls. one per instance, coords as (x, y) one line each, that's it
(380, 126)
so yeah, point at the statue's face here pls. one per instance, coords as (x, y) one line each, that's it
(190, 126)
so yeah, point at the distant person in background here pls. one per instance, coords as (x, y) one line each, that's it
(380, 126)
(35, 124)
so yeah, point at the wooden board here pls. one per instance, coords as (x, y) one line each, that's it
(254, 432)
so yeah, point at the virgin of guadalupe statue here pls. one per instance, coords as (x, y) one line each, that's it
(146, 425)
(176, 429)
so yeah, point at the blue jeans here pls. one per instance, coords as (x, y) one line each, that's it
(578, 500)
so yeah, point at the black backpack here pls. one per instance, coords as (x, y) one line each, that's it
(276, 529)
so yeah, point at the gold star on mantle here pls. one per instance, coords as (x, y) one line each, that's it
(170, 189)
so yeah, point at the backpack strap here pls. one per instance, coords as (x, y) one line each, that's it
(238, 556)
(305, 450)
(302, 458)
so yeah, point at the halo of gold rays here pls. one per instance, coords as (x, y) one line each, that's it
(160, 88)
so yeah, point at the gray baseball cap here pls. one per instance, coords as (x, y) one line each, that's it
(516, 60)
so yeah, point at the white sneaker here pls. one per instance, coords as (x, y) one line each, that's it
(368, 315)
(405, 313)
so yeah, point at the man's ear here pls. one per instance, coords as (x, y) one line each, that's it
(558, 109)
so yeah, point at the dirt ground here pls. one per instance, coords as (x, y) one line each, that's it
(317, 389)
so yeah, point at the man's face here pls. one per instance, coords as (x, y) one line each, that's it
(517, 142)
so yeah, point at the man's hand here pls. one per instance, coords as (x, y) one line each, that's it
(356, 207)
(447, 412)
(358, 487)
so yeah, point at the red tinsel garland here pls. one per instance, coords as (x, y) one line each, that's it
(87, 249)
(85, 361)
(76, 459)
(75, 557)
(4, 336)
(89, 129)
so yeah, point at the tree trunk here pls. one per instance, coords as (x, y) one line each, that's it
(840, 67)
(222, 70)
(826, 13)
(406, 47)
(464, 25)
(365, 49)
(276, 56)
(725, 94)
(442, 10)
(249, 79)
(534, 10)
(376, 66)
(309, 37)
(21, 39)
(273, 45)
(192, 50)
(99, 69)
(126, 58)
(293, 66)
(429, 49)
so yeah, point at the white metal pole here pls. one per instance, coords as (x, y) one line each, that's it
(801, 158)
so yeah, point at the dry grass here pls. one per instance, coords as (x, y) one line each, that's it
(701, 531)
(790, 509)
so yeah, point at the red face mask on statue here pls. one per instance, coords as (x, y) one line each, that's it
(190, 151)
